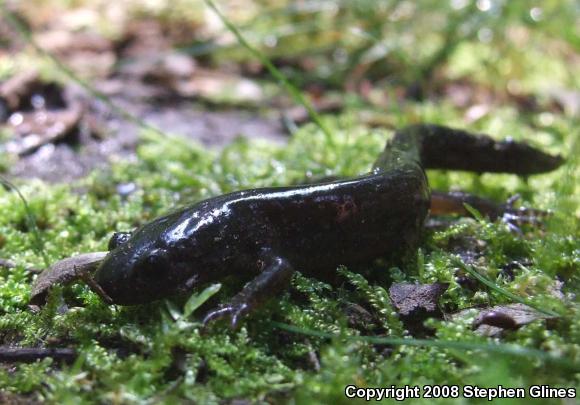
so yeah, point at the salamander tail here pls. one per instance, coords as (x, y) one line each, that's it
(441, 147)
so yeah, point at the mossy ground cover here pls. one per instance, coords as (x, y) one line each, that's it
(157, 352)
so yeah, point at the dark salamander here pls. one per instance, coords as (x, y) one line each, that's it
(270, 232)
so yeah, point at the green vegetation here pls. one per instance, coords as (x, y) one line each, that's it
(157, 352)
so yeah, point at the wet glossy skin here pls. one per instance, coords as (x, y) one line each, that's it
(315, 227)
(266, 234)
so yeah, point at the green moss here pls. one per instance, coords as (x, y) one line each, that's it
(157, 358)
(146, 353)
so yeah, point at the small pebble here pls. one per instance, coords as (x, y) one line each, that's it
(126, 189)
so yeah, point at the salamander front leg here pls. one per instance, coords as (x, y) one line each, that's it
(273, 279)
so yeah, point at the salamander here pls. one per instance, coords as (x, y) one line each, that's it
(266, 234)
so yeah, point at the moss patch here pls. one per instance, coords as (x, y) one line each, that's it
(157, 357)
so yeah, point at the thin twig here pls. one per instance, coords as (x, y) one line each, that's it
(32, 354)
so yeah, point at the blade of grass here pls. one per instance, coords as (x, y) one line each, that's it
(474, 213)
(489, 283)
(505, 349)
(197, 300)
(289, 87)
(38, 243)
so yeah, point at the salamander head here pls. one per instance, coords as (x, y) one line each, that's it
(140, 267)
(170, 254)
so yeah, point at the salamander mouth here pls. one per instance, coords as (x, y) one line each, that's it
(132, 277)
(113, 276)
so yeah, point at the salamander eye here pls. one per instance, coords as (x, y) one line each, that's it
(118, 239)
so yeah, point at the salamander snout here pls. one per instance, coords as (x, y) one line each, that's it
(135, 274)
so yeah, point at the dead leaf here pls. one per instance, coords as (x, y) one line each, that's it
(64, 272)
(38, 112)
(220, 86)
(408, 298)
(494, 321)
(36, 128)
(16, 89)
(86, 52)
(417, 302)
